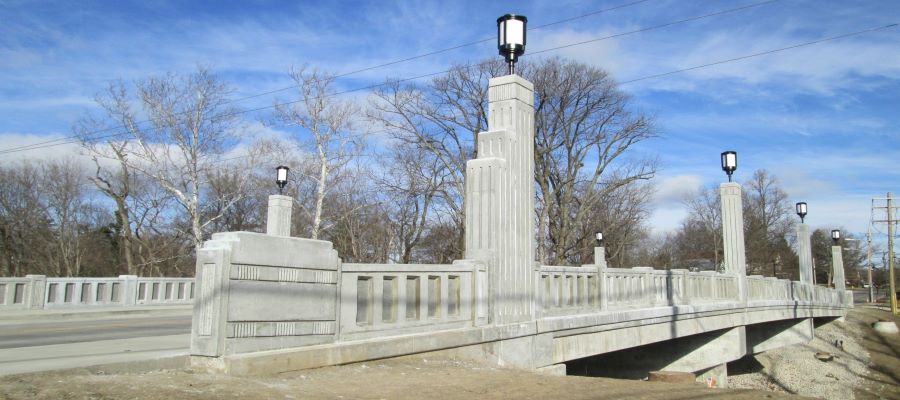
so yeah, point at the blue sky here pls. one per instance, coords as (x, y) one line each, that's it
(824, 118)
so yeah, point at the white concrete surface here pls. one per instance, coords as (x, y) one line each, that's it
(86, 354)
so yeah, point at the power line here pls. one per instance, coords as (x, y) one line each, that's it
(564, 46)
(762, 53)
(69, 140)
(667, 24)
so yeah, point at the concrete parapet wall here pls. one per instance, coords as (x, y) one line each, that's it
(251, 298)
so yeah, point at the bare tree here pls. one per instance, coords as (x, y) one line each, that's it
(24, 221)
(411, 185)
(440, 121)
(190, 126)
(113, 174)
(767, 224)
(583, 129)
(66, 203)
(329, 122)
(699, 238)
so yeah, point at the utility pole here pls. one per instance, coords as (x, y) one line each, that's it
(889, 263)
(869, 257)
(890, 222)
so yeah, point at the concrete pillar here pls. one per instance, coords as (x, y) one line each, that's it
(500, 200)
(279, 218)
(837, 263)
(733, 235)
(772, 335)
(129, 289)
(715, 377)
(600, 256)
(37, 291)
(804, 250)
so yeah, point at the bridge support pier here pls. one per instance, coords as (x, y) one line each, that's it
(772, 335)
(714, 377)
(707, 352)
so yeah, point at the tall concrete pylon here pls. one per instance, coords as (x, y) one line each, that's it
(837, 264)
(733, 235)
(500, 200)
(804, 250)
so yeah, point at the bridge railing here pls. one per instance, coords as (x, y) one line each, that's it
(40, 292)
(410, 297)
(567, 290)
(15, 292)
(768, 288)
(570, 290)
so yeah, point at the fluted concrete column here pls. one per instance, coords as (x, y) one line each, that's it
(804, 251)
(500, 200)
(733, 235)
(837, 263)
(279, 218)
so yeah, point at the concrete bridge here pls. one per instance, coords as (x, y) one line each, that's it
(271, 302)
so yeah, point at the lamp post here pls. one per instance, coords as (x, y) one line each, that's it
(801, 210)
(511, 38)
(729, 163)
(599, 238)
(281, 177)
(836, 236)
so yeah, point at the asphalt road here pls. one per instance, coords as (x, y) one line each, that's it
(860, 296)
(42, 333)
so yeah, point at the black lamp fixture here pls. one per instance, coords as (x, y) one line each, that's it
(600, 238)
(836, 235)
(281, 177)
(801, 210)
(729, 163)
(511, 38)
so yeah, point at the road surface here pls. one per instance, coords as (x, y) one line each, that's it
(26, 334)
(41, 344)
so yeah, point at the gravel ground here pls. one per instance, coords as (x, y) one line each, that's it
(795, 369)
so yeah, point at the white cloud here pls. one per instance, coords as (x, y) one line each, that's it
(46, 147)
(674, 189)
(666, 219)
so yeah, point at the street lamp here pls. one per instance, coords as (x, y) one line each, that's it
(729, 163)
(511, 38)
(836, 235)
(281, 177)
(801, 210)
(600, 238)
